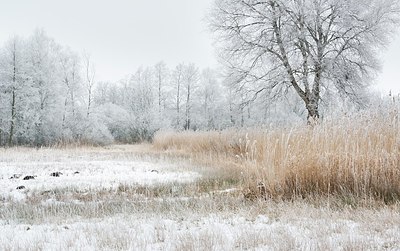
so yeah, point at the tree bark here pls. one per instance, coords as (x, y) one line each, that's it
(312, 109)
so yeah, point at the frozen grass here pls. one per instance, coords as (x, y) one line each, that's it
(207, 211)
(257, 226)
(351, 157)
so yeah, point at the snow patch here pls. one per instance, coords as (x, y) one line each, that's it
(85, 175)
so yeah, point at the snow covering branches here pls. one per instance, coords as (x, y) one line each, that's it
(309, 46)
(296, 53)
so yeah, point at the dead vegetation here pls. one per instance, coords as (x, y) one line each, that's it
(350, 158)
(237, 203)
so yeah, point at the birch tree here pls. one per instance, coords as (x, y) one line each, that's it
(307, 46)
(12, 76)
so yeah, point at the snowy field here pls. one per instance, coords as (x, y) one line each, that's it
(123, 198)
(83, 175)
(212, 232)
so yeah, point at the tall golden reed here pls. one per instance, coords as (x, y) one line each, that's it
(357, 156)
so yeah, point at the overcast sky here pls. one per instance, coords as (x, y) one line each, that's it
(122, 35)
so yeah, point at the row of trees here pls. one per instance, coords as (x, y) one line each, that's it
(284, 61)
(44, 95)
(49, 95)
(181, 98)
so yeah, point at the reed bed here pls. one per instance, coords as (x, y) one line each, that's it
(352, 157)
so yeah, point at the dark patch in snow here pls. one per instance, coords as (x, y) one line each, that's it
(154, 171)
(20, 187)
(76, 172)
(56, 174)
(29, 177)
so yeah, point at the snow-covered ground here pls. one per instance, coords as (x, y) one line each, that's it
(213, 232)
(38, 218)
(84, 175)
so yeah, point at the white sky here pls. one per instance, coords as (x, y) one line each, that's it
(122, 35)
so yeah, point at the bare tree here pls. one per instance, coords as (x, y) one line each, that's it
(304, 45)
(177, 79)
(71, 78)
(11, 73)
(89, 75)
(13, 90)
(161, 72)
(191, 78)
(211, 95)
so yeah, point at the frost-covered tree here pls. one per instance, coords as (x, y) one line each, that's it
(44, 95)
(72, 89)
(177, 83)
(140, 103)
(13, 87)
(308, 46)
(212, 99)
(90, 73)
(190, 84)
(43, 69)
(161, 77)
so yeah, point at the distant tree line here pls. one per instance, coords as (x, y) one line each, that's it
(49, 95)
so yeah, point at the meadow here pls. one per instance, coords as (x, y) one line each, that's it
(330, 186)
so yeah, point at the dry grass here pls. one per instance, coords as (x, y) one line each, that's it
(169, 226)
(205, 214)
(353, 157)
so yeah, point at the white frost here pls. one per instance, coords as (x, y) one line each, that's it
(93, 175)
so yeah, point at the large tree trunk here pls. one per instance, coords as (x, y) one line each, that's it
(313, 113)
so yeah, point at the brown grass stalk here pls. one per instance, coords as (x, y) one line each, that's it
(352, 156)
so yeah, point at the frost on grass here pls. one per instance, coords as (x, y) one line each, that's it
(86, 175)
(83, 170)
(99, 215)
(197, 232)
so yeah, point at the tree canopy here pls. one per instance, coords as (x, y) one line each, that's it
(309, 46)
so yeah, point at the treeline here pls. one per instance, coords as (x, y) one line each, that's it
(49, 95)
